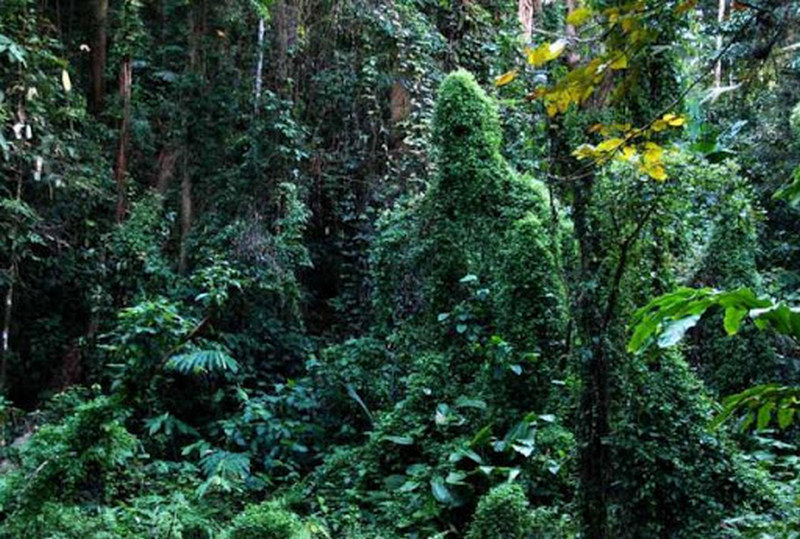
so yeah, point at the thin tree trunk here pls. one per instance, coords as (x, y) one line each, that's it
(167, 158)
(259, 64)
(9, 305)
(573, 57)
(196, 29)
(718, 67)
(525, 15)
(9, 302)
(121, 161)
(98, 54)
(186, 215)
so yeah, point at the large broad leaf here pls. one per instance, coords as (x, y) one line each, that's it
(202, 362)
(668, 317)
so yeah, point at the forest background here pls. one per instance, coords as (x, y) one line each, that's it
(399, 268)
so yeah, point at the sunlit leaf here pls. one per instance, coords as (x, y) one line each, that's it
(546, 52)
(620, 62)
(65, 81)
(675, 330)
(579, 16)
(505, 78)
(610, 145)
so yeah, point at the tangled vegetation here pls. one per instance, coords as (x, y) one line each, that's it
(494, 269)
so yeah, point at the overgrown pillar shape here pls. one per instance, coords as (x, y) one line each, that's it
(463, 208)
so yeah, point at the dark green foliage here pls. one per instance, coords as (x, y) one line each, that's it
(530, 302)
(85, 457)
(731, 365)
(502, 513)
(391, 310)
(447, 398)
(673, 478)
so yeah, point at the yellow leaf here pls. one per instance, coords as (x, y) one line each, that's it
(579, 16)
(628, 153)
(584, 150)
(656, 172)
(677, 122)
(66, 81)
(505, 78)
(659, 125)
(628, 24)
(620, 62)
(652, 154)
(546, 52)
(610, 145)
(552, 109)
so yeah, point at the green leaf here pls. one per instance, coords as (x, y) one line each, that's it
(440, 492)
(733, 319)
(675, 330)
(399, 440)
(785, 417)
(464, 402)
(764, 415)
(790, 192)
(203, 361)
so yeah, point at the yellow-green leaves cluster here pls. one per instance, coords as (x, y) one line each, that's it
(623, 145)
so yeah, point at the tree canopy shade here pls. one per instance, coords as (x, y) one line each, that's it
(375, 269)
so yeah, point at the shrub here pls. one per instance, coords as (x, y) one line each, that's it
(503, 513)
(83, 458)
(267, 520)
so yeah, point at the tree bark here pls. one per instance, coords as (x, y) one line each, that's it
(525, 15)
(98, 55)
(186, 215)
(121, 160)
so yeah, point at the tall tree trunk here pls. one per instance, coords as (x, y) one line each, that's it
(593, 363)
(121, 160)
(98, 55)
(197, 16)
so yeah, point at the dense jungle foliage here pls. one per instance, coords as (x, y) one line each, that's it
(491, 269)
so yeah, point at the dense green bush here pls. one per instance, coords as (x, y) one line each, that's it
(730, 365)
(502, 513)
(673, 477)
(88, 456)
(266, 520)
